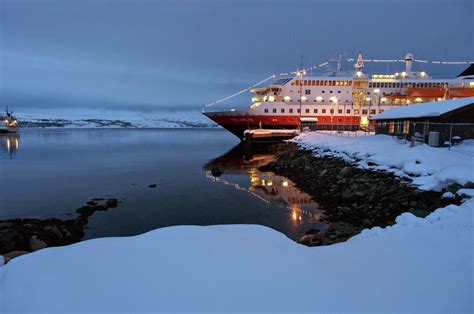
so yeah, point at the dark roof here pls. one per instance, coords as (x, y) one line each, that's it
(468, 71)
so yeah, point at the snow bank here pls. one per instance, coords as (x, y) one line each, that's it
(430, 168)
(416, 265)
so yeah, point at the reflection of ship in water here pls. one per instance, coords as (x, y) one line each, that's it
(10, 142)
(266, 186)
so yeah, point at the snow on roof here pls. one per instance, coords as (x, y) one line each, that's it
(427, 109)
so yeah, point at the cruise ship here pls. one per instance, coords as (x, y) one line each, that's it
(339, 97)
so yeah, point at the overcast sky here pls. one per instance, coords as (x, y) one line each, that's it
(145, 55)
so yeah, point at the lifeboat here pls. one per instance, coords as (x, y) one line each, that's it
(426, 92)
(460, 92)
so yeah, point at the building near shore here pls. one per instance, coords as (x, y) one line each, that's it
(437, 123)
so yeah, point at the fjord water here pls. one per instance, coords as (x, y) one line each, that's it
(201, 175)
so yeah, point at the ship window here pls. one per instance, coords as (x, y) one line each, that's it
(323, 91)
(331, 111)
(307, 92)
(338, 91)
(370, 85)
(265, 110)
(348, 111)
(381, 110)
(315, 110)
(323, 110)
(299, 111)
(339, 111)
(274, 110)
(350, 83)
(364, 111)
(307, 110)
(282, 110)
(333, 83)
(330, 91)
(356, 111)
(290, 110)
(372, 111)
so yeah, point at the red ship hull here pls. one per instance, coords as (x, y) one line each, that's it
(237, 123)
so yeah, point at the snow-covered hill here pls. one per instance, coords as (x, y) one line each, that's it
(187, 119)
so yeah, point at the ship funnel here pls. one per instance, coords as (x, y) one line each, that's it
(408, 62)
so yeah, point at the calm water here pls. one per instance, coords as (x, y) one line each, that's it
(202, 178)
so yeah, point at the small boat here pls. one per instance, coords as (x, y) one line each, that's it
(8, 123)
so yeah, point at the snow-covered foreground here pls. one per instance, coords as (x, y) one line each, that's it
(430, 168)
(416, 265)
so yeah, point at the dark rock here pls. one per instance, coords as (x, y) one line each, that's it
(152, 186)
(10, 255)
(37, 244)
(469, 185)
(454, 187)
(91, 203)
(367, 223)
(111, 203)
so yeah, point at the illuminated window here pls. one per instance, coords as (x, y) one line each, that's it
(364, 111)
(356, 111)
(406, 127)
(391, 127)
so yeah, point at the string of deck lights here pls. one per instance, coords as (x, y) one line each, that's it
(303, 72)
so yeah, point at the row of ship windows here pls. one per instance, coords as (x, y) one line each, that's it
(305, 99)
(403, 84)
(371, 84)
(321, 83)
(339, 111)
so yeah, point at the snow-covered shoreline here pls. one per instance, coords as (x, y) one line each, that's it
(429, 168)
(417, 265)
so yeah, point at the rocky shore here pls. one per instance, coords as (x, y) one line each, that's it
(353, 199)
(21, 236)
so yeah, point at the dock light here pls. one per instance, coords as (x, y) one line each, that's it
(367, 99)
(232, 109)
(304, 98)
(319, 98)
(376, 90)
(334, 99)
(423, 73)
(404, 74)
(383, 99)
(286, 98)
(358, 73)
(271, 98)
(396, 74)
(418, 99)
